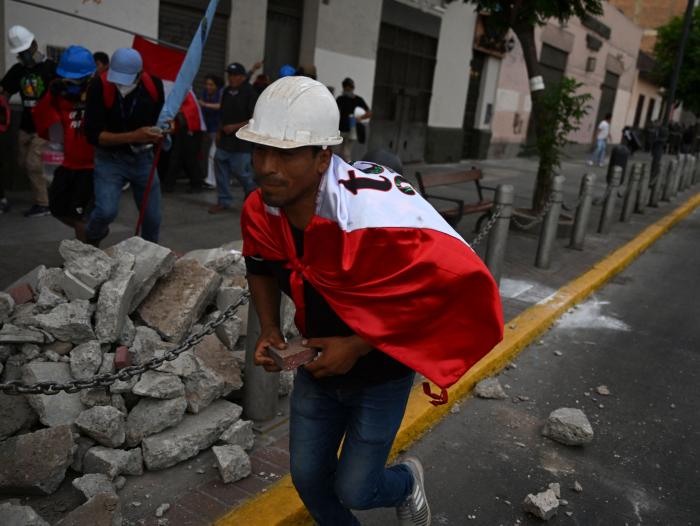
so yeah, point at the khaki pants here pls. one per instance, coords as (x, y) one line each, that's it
(29, 159)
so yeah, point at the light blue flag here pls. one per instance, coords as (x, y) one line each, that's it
(188, 70)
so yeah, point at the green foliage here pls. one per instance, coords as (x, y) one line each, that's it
(562, 110)
(666, 51)
(536, 12)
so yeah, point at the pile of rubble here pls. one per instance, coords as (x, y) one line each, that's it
(105, 310)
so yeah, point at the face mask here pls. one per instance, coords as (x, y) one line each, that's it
(348, 92)
(125, 89)
(73, 90)
(26, 58)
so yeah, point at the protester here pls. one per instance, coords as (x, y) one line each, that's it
(380, 282)
(123, 105)
(598, 156)
(232, 154)
(63, 110)
(101, 61)
(351, 128)
(184, 155)
(5, 117)
(210, 102)
(287, 70)
(30, 77)
(261, 82)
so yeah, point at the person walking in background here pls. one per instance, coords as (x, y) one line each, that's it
(62, 110)
(123, 105)
(232, 154)
(101, 61)
(210, 102)
(601, 141)
(30, 76)
(348, 103)
(184, 155)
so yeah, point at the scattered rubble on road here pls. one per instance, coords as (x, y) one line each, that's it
(490, 388)
(603, 390)
(569, 426)
(543, 505)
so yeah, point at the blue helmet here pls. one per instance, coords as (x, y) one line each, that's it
(287, 71)
(76, 62)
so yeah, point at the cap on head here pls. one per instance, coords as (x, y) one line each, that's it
(236, 68)
(76, 62)
(20, 39)
(125, 66)
(347, 81)
(293, 112)
(287, 71)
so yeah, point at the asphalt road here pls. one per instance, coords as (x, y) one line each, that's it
(640, 337)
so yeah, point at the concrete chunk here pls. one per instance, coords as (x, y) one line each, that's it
(7, 305)
(85, 360)
(101, 510)
(240, 434)
(544, 505)
(115, 300)
(87, 263)
(217, 259)
(568, 426)
(194, 434)
(13, 334)
(113, 462)
(16, 515)
(74, 289)
(150, 416)
(69, 322)
(152, 261)
(53, 410)
(36, 463)
(103, 423)
(15, 415)
(233, 463)
(490, 388)
(163, 386)
(191, 287)
(82, 446)
(93, 483)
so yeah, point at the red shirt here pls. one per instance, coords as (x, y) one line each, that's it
(52, 110)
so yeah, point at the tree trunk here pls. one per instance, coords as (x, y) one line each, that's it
(543, 185)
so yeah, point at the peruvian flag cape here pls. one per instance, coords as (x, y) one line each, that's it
(390, 266)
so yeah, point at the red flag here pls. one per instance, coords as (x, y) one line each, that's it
(164, 63)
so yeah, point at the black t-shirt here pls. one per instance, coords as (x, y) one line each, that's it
(136, 110)
(237, 105)
(32, 84)
(322, 322)
(346, 106)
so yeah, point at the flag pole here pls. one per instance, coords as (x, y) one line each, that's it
(103, 24)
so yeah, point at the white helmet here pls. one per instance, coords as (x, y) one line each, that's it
(294, 112)
(20, 39)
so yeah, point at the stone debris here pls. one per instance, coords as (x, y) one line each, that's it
(162, 509)
(603, 390)
(558, 353)
(233, 463)
(94, 483)
(194, 434)
(128, 334)
(490, 388)
(85, 360)
(229, 331)
(82, 445)
(12, 334)
(217, 259)
(150, 416)
(36, 463)
(543, 505)
(115, 300)
(577, 487)
(7, 305)
(119, 483)
(15, 415)
(69, 322)
(164, 386)
(74, 289)
(103, 423)
(240, 434)
(113, 462)
(568, 426)
(556, 488)
(101, 510)
(53, 410)
(88, 264)
(191, 287)
(16, 515)
(22, 293)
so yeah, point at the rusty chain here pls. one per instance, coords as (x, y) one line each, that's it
(536, 220)
(16, 387)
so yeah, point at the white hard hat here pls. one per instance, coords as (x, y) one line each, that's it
(20, 39)
(294, 112)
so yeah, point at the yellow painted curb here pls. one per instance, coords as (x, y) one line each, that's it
(280, 505)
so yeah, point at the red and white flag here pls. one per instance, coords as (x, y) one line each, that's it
(164, 63)
(390, 266)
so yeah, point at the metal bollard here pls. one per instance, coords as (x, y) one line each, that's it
(496, 248)
(671, 174)
(682, 169)
(583, 211)
(260, 389)
(609, 204)
(677, 178)
(658, 187)
(643, 196)
(632, 193)
(550, 224)
(688, 179)
(695, 172)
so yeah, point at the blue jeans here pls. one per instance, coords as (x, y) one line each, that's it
(599, 152)
(236, 163)
(112, 171)
(369, 418)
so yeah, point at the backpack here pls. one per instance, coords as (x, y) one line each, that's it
(109, 90)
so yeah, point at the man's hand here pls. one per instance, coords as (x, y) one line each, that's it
(338, 354)
(271, 337)
(147, 134)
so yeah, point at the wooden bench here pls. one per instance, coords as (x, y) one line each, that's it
(453, 209)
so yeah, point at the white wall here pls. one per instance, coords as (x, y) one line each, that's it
(246, 31)
(50, 28)
(333, 67)
(487, 91)
(451, 78)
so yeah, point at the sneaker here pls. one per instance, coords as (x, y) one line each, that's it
(4, 205)
(415, 510)
(37, 211)
(217, 209)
